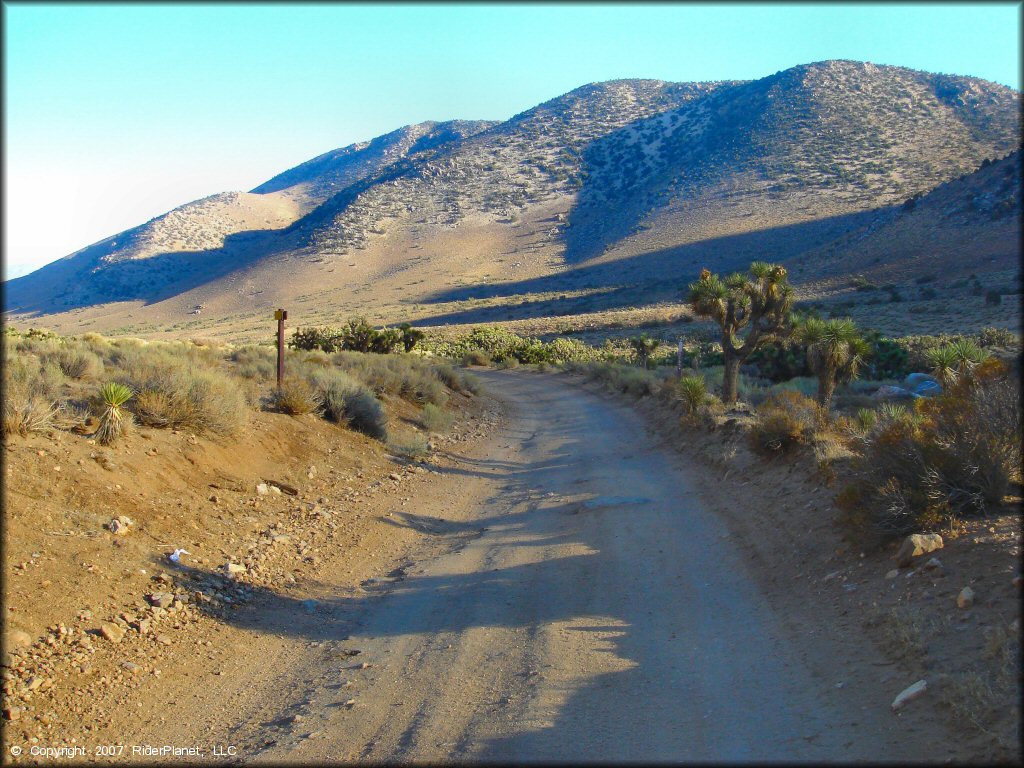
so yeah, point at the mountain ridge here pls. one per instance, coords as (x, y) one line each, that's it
(609, 171)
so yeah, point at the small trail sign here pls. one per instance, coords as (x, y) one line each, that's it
(280, 315)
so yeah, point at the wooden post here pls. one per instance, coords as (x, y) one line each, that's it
(679, 359)
(280, 315)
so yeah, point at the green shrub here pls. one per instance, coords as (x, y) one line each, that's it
(255, 362)
(435, 419)
(508, 363)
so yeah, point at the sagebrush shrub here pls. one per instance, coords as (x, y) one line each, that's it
(952, 457)
(784, 420)
(77, 363)
(347, 401)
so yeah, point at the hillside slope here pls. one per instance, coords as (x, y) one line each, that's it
(628, 183)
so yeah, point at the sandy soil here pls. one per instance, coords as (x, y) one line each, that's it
(565, 587)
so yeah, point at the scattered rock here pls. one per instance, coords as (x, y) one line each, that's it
(262, 489)
(234, 568)
(160, 599)
(917, 544)
(112, 632)
(120, 525)
(909, 694)
(12, 713)
(893, 573)
(966, 598)
(1018, 581)
(1015, 625)
(394, 476)
(934, 565)
(163, 639)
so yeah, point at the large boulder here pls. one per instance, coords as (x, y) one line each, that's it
(922, 385)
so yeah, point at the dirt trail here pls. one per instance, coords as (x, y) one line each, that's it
(574, 600)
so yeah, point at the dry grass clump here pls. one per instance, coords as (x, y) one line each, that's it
(297, 396)
(411, 448)
(180, 386)
(635, 382)
(435, 419)
(784, 420)
(31, 393)
(954, 456)
(476, 357)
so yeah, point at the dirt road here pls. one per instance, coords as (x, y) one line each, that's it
(574, 601)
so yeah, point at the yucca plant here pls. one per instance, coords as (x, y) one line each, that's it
(113, 421)
(835, 353)
(692, 392)
(866, 418)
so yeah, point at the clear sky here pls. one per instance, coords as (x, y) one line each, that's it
(116, 113)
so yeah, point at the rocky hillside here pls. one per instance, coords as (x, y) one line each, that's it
(967, 225)
(623, 182)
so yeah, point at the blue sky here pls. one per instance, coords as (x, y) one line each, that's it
(117, 113)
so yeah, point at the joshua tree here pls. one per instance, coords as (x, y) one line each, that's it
(410, 336)
(835, 352)
(643, 345)
(358, 334)
(759, 300)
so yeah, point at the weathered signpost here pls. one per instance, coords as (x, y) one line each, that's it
(280, 315)
(679, 359)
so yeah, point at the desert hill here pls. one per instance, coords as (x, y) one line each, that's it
(621, 190)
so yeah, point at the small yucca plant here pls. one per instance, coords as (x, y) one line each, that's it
(113, 421)
(692, 392)
(866, 418)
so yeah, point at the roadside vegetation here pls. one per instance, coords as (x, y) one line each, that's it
(100, 387)
(917, 432)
